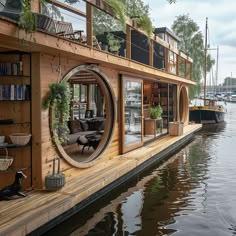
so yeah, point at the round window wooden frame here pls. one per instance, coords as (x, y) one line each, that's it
(183, 104)
(110, 118)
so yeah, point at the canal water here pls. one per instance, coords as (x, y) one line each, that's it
(193, 193)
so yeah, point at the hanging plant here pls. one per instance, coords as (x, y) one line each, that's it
(28, 19)
(145, 23)
(58, 99)
(119, 10)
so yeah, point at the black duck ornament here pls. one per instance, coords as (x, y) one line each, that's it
(14, 189)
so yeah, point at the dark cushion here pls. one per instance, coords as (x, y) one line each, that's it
(100, 125)
(84, 125)
(96, 124)
(91, 124)
(75, 126)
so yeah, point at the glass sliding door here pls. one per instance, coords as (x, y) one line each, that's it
(132, 113)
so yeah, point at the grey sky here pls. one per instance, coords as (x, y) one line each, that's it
(221, 22)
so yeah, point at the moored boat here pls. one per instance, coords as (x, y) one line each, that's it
(210, 113)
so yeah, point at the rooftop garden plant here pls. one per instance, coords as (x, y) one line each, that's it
(113, 43)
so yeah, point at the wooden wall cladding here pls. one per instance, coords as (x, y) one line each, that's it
(49, 74)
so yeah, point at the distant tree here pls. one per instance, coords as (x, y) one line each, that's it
(192, 44)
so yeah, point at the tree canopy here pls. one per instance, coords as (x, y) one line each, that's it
(192, 44)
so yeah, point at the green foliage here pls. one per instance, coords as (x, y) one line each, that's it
(140, 11)
(192, 44)
(58, 99)
(136, 8)
(119, 10)
(103, 22)
(28, 18)
(113, 43)
(156, 112)
(145, 23)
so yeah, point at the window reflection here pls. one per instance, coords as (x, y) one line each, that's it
(133, 112)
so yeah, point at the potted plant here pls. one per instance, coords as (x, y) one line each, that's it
(114, 44)
(156, 112)
(58, 99)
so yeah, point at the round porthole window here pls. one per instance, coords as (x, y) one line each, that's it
(92, 117)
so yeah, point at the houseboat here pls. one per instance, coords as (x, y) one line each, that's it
(110, 97)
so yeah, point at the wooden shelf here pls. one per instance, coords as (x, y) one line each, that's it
(15, 104)
(14, 76)
(16, 123)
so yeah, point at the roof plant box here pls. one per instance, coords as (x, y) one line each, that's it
(176, 128)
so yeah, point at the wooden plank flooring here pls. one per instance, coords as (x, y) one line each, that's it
(22, 216)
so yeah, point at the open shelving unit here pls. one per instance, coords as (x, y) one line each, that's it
(15, 112)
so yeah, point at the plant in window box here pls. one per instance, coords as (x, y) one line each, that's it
(58, 100)
(156, 112)
(114, 44)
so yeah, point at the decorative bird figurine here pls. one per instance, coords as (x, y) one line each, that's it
(14, 189)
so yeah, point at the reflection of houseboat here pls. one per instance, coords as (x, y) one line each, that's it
(103, 126)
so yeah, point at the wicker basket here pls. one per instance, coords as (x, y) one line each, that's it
(20, 138)
(5, 161)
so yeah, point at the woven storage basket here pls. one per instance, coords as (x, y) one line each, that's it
(20, 138)
(5, 161)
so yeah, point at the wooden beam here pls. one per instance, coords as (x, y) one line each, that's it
(128, 42)
(151, 53)
(36, 115)
(89, 24)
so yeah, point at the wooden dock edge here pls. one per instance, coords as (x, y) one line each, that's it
(179, 143)
(42, 211)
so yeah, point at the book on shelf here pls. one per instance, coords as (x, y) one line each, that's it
(15, 92)
(9, 68)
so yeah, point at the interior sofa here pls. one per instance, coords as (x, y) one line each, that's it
(81, 128)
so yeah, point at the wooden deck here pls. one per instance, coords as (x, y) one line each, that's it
(24, 215)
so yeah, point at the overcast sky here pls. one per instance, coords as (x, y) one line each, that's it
(221, 24)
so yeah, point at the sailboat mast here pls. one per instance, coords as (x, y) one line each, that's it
(217, 58)
(205, 65)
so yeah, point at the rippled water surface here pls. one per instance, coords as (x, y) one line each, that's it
(193, 193)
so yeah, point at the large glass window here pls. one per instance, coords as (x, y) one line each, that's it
(172, 62)
(132, 114)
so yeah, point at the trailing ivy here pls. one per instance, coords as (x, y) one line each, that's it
(58, 99)
(28, 20)
(145, 23)
(119, 10)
